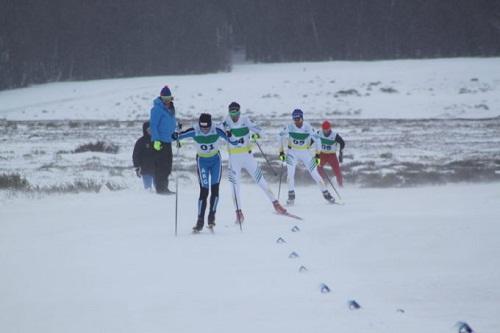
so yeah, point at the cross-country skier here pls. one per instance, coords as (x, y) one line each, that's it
(143, 157)
(298, 137)
(239, 129)
(209, 165)
(330, 142)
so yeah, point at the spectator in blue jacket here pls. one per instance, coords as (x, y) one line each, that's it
(163, 125)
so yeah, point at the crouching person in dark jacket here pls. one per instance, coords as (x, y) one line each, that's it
(143, 157)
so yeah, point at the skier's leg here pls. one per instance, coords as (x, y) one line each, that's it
(256, 172)
(308, 159)
(202, 203)
(253, 169)
(215, 176)
(214, 200)
(323, 160)
(202, 200)
(234, 174)
(291, 164)
(336, 168)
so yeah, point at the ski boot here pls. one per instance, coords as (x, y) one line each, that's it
(328, 196)
(278, 207)
(291, 198)
(239, 216)
(211, 221)
(199, 225)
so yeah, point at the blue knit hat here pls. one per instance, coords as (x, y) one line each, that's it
(166, 91)
(297, 113)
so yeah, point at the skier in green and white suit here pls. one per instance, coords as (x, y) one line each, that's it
(299, 137)
(239, 129)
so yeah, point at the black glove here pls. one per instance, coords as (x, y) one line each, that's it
(138, 172)
(228, 134)
(341, 157)
(175, 135)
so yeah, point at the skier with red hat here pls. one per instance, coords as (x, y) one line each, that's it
(331, 142)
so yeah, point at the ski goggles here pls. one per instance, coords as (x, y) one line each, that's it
(167, 98)
(234, 113)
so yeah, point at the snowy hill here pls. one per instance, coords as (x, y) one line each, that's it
(406, 122)
(417, 259)
(442, 88)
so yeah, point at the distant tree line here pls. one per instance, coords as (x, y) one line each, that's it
(58, 40)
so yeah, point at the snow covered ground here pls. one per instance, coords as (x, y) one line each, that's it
(405, 122)
(440, 88)
(416, 260)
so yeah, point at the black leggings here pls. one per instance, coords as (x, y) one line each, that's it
(202, 201)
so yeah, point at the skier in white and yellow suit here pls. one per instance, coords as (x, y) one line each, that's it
(240, 129)
(298, 137)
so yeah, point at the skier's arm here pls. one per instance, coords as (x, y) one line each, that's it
(221, 133)
(189, 133)
(341, 141)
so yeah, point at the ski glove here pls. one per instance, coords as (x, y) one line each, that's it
(157, 145)
(341, 157)
(317, 159)
(255, 136)
(138, 172)
(175, 136)
(282, 156)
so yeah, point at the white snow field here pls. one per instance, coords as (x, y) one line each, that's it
(440, 88)
(415, 259)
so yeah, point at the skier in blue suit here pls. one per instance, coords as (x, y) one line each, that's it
(209, 165)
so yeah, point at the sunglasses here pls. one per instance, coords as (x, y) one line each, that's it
(234, 113)
(297, 119)
(167, 98)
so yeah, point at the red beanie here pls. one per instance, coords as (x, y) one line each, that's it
(326, 125)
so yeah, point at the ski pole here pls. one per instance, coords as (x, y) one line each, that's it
(265, 157)
(232, 179)
(281, 176)
(331, 183)
(176, 185)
